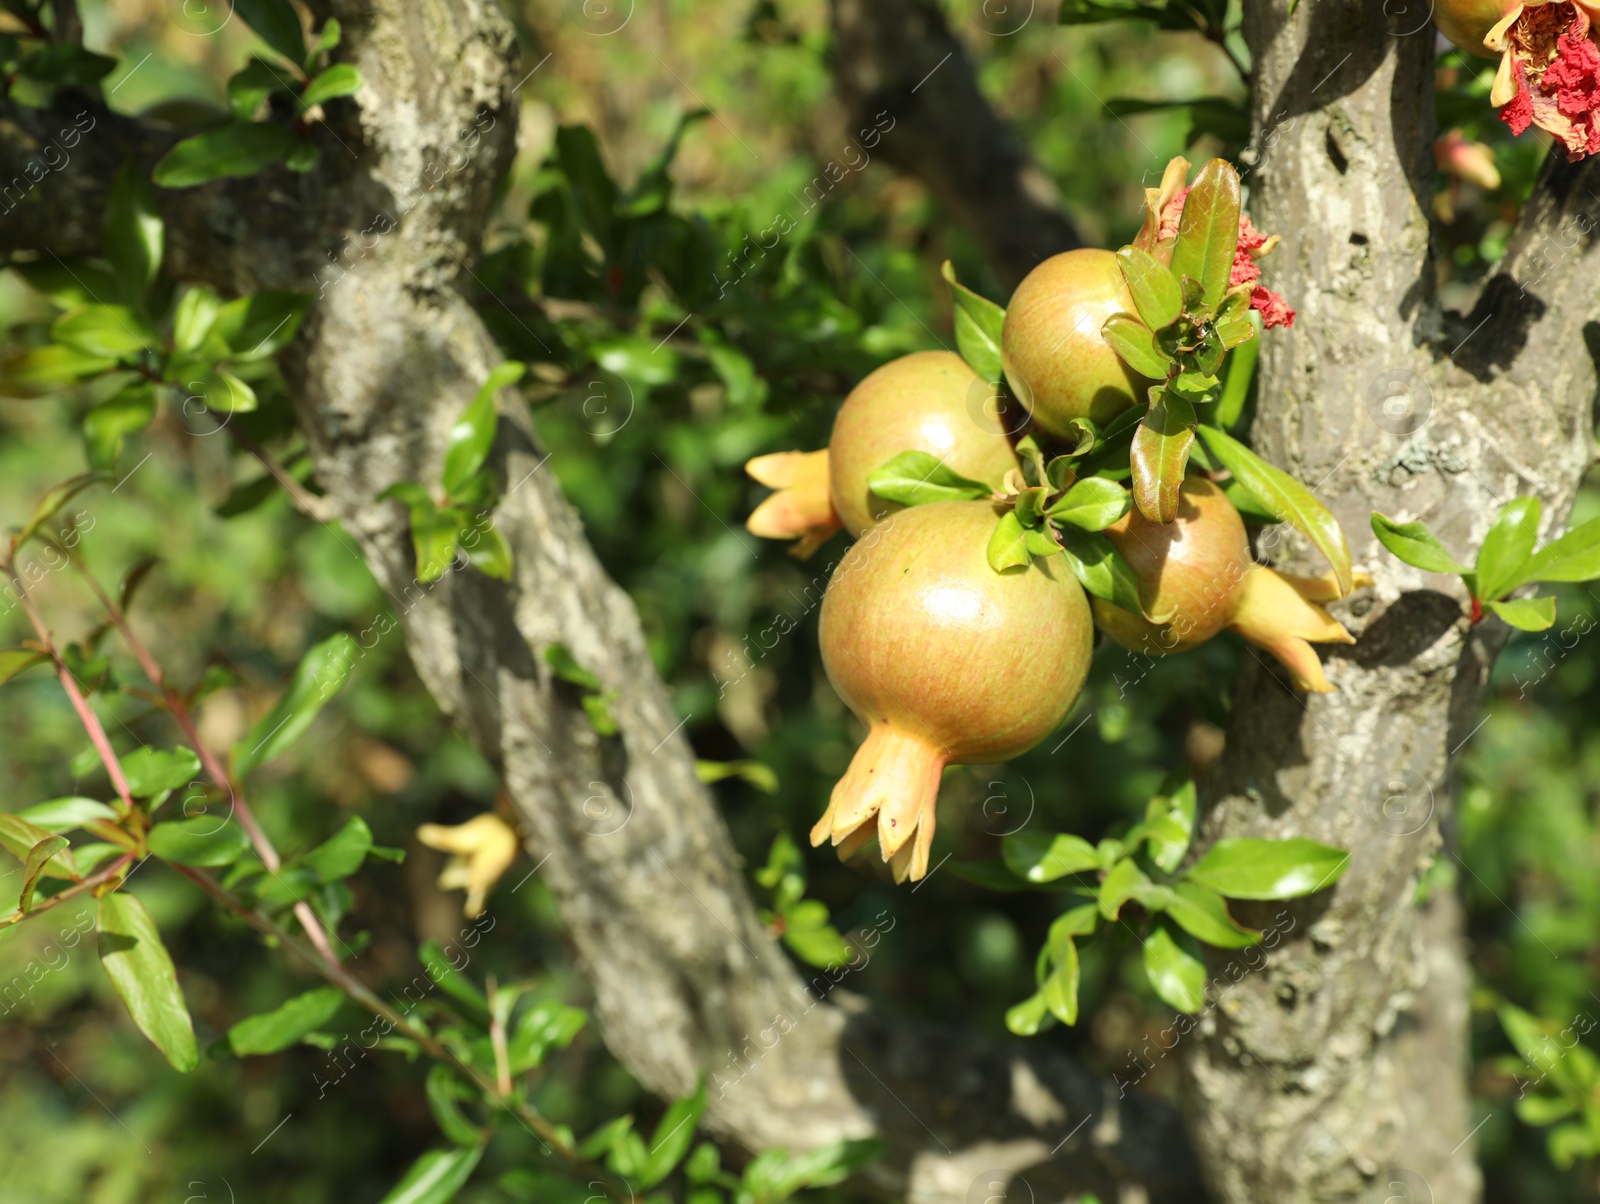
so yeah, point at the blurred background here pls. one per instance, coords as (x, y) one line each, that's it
(762, 344)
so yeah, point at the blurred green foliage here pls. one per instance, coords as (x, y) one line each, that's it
(674, 324)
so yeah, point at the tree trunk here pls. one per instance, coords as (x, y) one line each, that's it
(1339, 1068)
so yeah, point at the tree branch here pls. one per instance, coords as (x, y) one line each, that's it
(686, 978)
(898, 57)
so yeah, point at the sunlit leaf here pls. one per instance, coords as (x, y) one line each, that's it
(141, 970)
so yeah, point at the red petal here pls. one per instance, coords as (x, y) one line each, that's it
(1575, 76)
(1518, 111)
(1274, 309)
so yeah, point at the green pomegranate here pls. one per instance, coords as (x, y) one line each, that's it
(1468, 22)
(929, 401)
(1055, 359)
(946, 661)
(1196, 576)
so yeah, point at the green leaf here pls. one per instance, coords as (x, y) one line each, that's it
(1286, 498)
(153, 771)
(1026, 1018)
(473, 433)
(775, 1175)
(488, 551)
(285, 1024)
(342, 853)
(65, 814)
(673, 1136)
(201, 841)
(50, 504)
(434, 530)
(1208, 231)
(133, 233)
(112, 331)
(444, 1094)
(1573, 557)
(249, 87)
(1008, 545)
(1245, 867)
(1155, 290)
(1526, 614)
(451, 980)
(1169, 842)
(1060, 990)
(35, 371)
(436, 1177)
(327, 40)
(914, 478)
(757, 773)
(141, 970)
(1093, 504)
(1098, 567)
(240, 148)
(1046, 856)
(276, 24)
(1124, 881)
(1415, 545)
(107, 426)
(302, 156)
(567, 668)
(16, 660)
(978, 321)
(33, 866)
(542, 1027)
(261, 324)
(1076, 921)
(341, 79)
(70, 283)
(1159, 456)
(1132, 340)
(1203, 913)
(67, 64)
(196, 310)
(320, 675)
(20, 837)
(1506, 548)
(1176, 976)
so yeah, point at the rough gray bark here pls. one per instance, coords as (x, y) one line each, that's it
(686, 978)
(899, 57)
(1339, 1070)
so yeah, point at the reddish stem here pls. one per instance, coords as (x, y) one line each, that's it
(1477, 611)
(77, 888)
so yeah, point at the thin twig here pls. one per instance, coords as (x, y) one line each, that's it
(99, 878)
(303, 500)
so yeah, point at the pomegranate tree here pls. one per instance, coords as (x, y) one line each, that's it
(945, 661)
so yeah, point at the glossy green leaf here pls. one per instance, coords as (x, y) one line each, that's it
(319, 676)
(543, 1027)
(1076, 921)
(1160, 455)
(914, 478)
(1008, 545)
(1506, 548)
(473, 434)
(1177, 976)
(978, 321)
(67, 64)
(250, 86)
(286, 1023)
(33, 866)
(450, 979)
(204, 840)
(48, 506)
(1285, 497)
(1169, 841)
(240, 148)
(341, 79)
(276, 24)
(1124, 881)
(65, 814)
(757, 773)
(107, 426)
(775, 1175)
(1060, 989)
(1092, 504)
(20, 837)
(1415, 545)
(261, 324)
(16, 660)
(327, 39)
(1026, 1018)
(1154, 288)
(673, 1136)
(1098, 567)
(487, 550)
(133, 233)
(1573, 557)
(1526, 614)
(36, 371)
(192, 317)
(1046, 856)
(153, 771)
(109, 331)
(1208, 231)
(1245, 867)
(1132, 340)
(1203, 913)
(436, 1177)
(141, 970)
(444, 1094)
(342, 853)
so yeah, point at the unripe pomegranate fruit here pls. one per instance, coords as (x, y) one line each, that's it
(929, 401)
(1196, 576)
(1055, 359)
(945, 661)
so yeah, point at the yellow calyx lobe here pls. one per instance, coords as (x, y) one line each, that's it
(482, 849)
(893, 780)
(801, 508)
(1283, 614)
